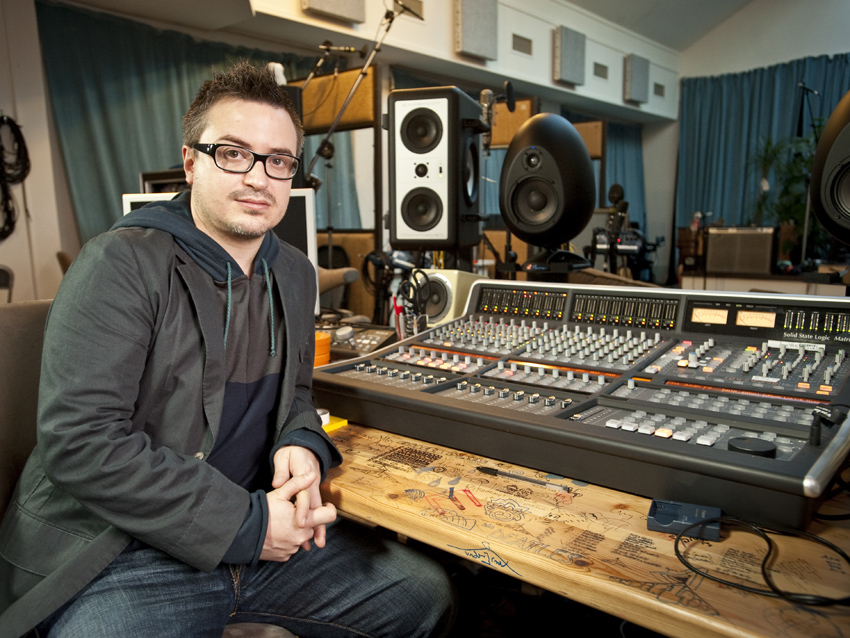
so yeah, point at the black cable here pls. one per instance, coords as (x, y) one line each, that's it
(11, 172)
(379, 285)
(328, 92)
(839, 486)
(773, 591)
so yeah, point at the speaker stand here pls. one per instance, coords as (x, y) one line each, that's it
(460, 259)
(552, 265)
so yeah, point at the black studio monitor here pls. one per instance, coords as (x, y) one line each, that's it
(547, 188)
(830, 187)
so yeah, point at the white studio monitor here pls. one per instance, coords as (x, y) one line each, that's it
(448, 291)
(434, 163)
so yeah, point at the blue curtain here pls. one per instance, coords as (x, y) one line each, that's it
(336, 198)
(491, 171)
(725, 120)
(119, 90)
(624, 166)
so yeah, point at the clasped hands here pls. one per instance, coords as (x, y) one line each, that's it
(297, 515)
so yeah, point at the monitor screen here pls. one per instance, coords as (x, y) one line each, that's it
(132, 201)
(298, 226)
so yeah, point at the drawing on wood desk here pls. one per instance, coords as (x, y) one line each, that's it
(590, 544)
(676, 589)
(798, 621)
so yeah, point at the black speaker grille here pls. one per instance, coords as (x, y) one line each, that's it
(421, 209)
(421, 130)
(535, 203)
(841, 189)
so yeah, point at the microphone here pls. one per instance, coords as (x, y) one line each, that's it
(801, 85)
(327, 46)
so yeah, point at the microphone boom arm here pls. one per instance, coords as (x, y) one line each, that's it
(312, 180)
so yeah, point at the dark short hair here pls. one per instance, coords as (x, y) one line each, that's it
(242, 81)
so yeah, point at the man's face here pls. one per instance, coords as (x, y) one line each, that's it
(240, 207)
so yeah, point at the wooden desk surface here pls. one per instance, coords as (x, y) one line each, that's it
(590, 544)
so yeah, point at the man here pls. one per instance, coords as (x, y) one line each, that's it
(175, 484)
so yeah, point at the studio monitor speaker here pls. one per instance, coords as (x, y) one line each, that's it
(434, 168)
(547, 188)
(448, 291)
(830, 187)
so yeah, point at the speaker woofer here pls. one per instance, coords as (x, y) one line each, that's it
(830, 187)
(535, 203)
(421, 209)
(840, 190)
(421, 130)
(439, 297)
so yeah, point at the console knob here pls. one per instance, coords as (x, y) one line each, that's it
(752, 445)
(344, 334)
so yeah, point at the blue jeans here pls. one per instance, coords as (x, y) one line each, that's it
(359, 584)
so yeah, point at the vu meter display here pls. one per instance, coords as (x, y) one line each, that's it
(755, 319)
(716, 316)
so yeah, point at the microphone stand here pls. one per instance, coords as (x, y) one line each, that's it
(313, 181)
(315, 69)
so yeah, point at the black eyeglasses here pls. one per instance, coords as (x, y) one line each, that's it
(235, 159)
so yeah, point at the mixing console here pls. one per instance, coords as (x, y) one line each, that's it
(736, 401)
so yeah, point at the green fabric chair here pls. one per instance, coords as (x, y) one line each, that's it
(21, 336)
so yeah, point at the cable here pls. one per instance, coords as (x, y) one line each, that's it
(13, 172)
(379, 285)
(839, 486)
(774, 591)
(328, 92)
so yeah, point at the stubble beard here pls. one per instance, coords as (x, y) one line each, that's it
(247, 230)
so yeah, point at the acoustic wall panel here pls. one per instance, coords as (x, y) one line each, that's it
(568, 56)
(636, 79)
(476, 28)
(343, 10)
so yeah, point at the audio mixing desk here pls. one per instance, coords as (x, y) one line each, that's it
(731, 400)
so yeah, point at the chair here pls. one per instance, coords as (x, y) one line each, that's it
(7, 280)
(21, 329)
(21, 337)
(64, 261)
(330, 279)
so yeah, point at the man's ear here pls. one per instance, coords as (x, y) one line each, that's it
(189, 164)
